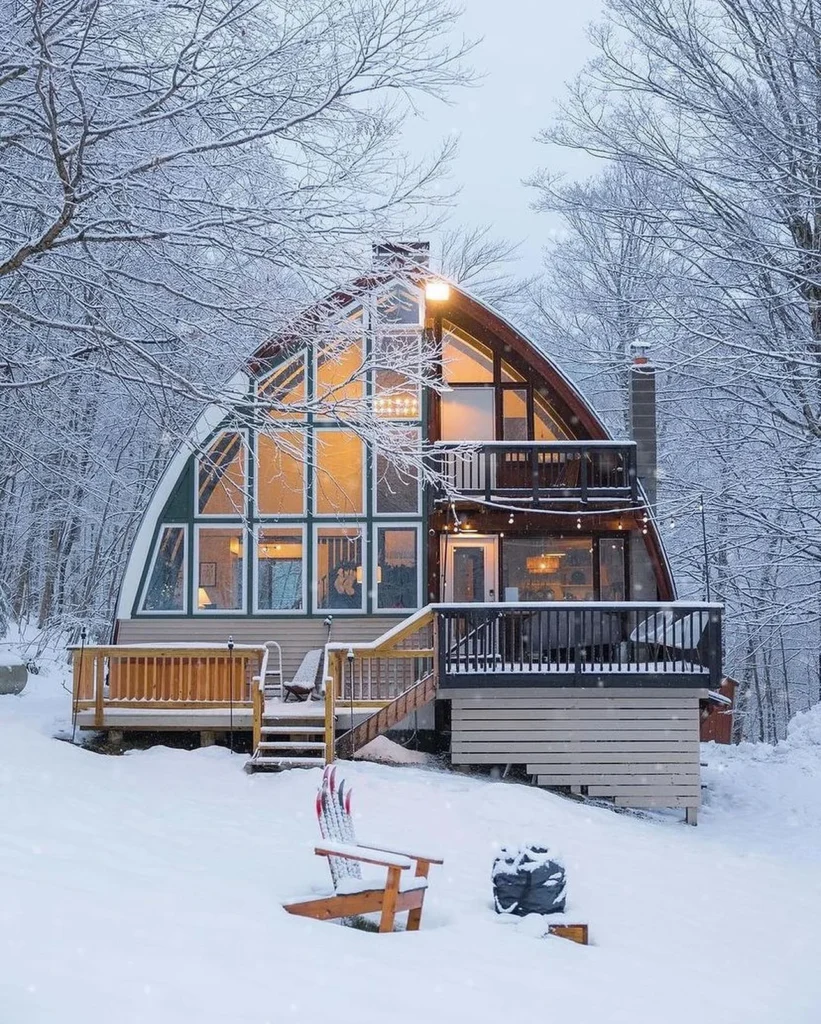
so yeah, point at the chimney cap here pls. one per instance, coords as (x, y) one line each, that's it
(639, 352)
(404, 255)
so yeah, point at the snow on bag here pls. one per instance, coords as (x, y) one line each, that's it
(527, 880)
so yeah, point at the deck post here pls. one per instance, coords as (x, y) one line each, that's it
(99, 681)
(330, 707)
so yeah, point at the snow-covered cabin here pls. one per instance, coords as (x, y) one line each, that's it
(406, 486)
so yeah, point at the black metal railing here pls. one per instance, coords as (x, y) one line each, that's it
(579, 644)
(540, 470)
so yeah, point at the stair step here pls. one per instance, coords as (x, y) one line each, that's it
(293, 730)
(286, 762)
(291, 746)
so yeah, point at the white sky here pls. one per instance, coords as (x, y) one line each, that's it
(529, 50)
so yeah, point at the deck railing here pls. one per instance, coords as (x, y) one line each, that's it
(579, 644)
(120, 676)
(537, 471)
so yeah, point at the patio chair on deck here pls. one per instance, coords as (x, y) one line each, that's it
(304, 681)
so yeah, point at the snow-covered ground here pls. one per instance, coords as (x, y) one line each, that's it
(147, 888)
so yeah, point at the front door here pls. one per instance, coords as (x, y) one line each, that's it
(470, 569)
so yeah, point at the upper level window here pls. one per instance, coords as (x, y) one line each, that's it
(398, 305)
(397, 487)
(397, 365)
(282, 393)
(339, 375)
(465, 360)
(280, 473)
(340, 473)
(546, 425)
(221, 476)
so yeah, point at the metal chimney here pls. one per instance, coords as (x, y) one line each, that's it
(643, 417)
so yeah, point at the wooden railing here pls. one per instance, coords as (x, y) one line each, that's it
(537, 471)
(579, 644)
(163, 676)
(375, 673)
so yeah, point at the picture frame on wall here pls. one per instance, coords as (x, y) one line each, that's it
(208, 574)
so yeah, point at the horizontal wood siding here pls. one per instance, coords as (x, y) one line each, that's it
(296, 636)
(640, 749)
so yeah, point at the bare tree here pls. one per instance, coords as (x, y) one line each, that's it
(708, 114)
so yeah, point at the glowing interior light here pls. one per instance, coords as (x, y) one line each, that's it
(437, 291)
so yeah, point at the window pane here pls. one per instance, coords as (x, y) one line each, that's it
(285, 388)
(339, 570)
(397, 489)
(548, 569)
(279, 570)
(339, 375)
(468, 574)
(546, 424)
(339, 473)
(611, 569)
(396, 396)
(280, 473)
(509, 375)
(396, 568)
(468, 414)
(220, 574)
(514, 414)
(642, 575)
(221, 479)
(166, 588)
(464, 360)
(398, 306)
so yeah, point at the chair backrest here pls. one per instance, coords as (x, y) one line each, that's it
(333, 810)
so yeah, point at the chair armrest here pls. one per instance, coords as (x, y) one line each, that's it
(402, 853)
(364, 854)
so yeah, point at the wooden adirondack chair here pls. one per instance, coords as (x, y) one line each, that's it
(352, 895)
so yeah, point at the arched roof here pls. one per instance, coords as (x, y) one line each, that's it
(461, 305)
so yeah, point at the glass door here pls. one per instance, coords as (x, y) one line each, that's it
(470, 569)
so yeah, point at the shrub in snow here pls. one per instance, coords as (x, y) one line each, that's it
(528, 880)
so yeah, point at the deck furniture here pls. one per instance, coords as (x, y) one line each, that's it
(352, 895)
(303, 683)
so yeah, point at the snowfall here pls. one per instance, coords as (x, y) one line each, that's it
(148, 888)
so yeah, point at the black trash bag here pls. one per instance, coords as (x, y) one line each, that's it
(528, 880)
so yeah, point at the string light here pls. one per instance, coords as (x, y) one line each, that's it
(579, 523)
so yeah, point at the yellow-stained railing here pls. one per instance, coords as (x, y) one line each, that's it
(120, 676)
(374, 673)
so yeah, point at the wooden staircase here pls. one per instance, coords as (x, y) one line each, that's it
(295, 741)
(420, 694)
(387, 679)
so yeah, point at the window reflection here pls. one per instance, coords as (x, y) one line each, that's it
(279, 570)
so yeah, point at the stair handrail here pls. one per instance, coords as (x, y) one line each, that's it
(258, 694)
(388, 640)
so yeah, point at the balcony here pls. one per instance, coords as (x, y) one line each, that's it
(570, 644)
(539, 472)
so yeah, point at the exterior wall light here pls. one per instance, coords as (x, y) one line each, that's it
(437, 291)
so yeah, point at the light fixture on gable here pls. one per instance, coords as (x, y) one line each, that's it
(437, 290)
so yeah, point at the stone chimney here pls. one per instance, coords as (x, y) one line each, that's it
(401, 255)
(643, 417)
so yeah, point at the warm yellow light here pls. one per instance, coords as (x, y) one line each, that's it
(203, 600)
(235, 546)
(437, 291)
(547, 563)
(359, 575)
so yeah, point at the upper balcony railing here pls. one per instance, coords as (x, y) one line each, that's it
(540, 471)
(677, 644)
